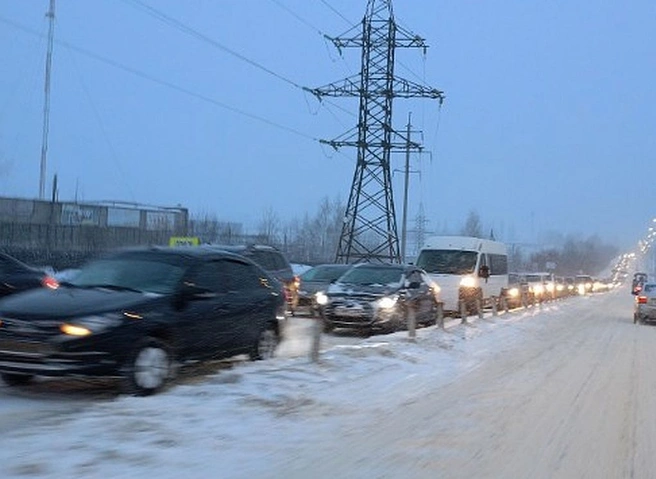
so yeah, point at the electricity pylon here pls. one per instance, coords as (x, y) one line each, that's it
(369, 231)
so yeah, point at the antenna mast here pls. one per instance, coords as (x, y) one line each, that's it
(46, 103)
(369, 232)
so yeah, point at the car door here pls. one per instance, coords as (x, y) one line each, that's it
(251, 301)
(208, 316)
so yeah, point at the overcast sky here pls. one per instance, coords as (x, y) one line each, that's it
(548, 123)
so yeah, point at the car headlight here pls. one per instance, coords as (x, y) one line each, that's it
(468, 282)
(387, 302)
(88, 325)
(513, 292)
(321, 298)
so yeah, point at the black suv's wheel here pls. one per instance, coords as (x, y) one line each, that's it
(266, 344)
(16, 379)
(148, 367)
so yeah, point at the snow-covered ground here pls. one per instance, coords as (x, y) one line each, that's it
(250, 421)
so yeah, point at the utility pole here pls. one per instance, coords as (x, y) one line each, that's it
(406, 183)
(369, 232)
(46, 103)
(420, 228)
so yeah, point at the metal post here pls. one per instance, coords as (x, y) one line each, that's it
(317, 328)
(412, 324)
(440, 314)
(46, 102)
(479, 308)
(463, 312)
(495, 312)
(504, 304)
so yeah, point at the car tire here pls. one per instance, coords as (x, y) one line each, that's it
(148, 368)
(635, 318)
(11, 379)
(266, 344)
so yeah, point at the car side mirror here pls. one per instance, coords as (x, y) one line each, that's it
(191, 292)
(484, 271)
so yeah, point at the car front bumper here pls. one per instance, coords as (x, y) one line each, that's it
(17, 359)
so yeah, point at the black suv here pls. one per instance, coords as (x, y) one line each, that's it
(133, 314)
(272, 261)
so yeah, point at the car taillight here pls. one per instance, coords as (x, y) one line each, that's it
(297, 281)
(642, 299)
(49, 282)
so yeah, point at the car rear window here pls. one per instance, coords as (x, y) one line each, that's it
(650, 288)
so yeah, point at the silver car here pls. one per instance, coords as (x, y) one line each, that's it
(645, 304)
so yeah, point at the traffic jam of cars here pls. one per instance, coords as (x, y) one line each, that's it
(137, 314)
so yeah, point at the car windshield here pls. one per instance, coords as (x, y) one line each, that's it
(447, 261)
(324, 273)
(534, 278)
(136, 274)
(366, 275)
(650, 288)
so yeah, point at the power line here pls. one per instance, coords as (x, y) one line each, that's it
(164, 83)
(334, 10)
(195, 33)
(298, 17)
(186, 29)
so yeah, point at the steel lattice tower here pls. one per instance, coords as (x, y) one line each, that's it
(369, 232)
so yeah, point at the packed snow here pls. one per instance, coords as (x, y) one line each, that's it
(251, 419)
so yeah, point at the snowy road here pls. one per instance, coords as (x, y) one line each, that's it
(566, 391)
(576, 399)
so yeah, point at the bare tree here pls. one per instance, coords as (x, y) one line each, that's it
(473, 225)
(269, 226)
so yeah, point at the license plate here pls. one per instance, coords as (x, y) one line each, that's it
(349, 311)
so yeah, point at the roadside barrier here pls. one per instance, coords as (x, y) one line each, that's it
(317, 329)
(463, 312)
(412, 324)
(440, 315)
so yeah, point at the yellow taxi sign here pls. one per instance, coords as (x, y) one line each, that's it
(184, 241)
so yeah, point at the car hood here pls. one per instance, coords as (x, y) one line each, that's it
(68, 302)
(314, 286)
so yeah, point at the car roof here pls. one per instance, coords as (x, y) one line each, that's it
(242, 247)
(189, 252)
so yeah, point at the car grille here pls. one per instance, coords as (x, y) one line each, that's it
(12, 346)
(350, 310)
(33, 330)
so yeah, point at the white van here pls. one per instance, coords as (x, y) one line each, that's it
(466, 269)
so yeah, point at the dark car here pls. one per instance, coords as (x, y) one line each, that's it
(274, 262)
(136, 313)
(644, 310)
(16, 276)
(379, 297)
(639, 280)
(316, 279)
(517, 293)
